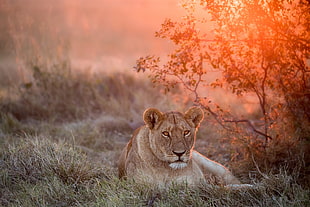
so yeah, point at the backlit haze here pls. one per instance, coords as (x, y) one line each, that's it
(96, 34)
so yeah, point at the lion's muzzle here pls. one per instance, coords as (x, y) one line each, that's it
(180, 160)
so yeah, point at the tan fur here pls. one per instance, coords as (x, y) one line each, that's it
(161, 152)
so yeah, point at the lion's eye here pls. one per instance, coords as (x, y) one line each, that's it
(187, 133)
(165, 134)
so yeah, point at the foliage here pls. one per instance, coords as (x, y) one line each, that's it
(259, 47)
(254, 47)
(263, 47)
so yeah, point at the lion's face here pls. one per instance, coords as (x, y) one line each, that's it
(172, 135)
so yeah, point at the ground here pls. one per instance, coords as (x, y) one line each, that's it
(69, 157)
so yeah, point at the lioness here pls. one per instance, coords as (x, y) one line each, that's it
(161, 151)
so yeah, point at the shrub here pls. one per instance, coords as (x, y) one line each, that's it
(243, 44)
(61, 94)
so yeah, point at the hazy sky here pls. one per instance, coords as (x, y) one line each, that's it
(97, 33)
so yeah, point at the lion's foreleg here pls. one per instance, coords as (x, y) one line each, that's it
(214, 168)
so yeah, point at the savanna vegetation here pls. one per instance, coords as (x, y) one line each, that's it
(257, 48)
(62, 129)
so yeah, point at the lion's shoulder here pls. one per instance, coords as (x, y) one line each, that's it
(124, 157)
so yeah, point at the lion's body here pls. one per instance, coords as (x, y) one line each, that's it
(162, 152)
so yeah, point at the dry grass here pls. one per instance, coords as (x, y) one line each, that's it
(38, 172)
(59, 95)
(67, 155)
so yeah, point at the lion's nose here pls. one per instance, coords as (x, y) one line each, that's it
(179, 153)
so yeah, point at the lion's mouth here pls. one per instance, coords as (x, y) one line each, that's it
(179, 164)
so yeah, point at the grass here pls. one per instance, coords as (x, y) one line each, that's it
(83, 93)
(38, 172)
(62, 133)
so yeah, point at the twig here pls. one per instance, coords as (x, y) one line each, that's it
(256, 165)
(250, 125)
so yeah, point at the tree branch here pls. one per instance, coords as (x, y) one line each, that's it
(250, 125)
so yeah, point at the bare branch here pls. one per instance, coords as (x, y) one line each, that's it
(250, 125)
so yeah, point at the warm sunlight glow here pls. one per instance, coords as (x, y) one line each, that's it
(154, 102)
(116, 28)
(97, 33)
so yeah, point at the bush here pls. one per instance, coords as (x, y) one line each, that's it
(61, 94)
(240, 47)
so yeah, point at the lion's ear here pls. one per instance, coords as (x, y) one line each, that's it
(194, 115)
(151, 117)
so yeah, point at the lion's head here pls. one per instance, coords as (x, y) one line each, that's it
(172, 135)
